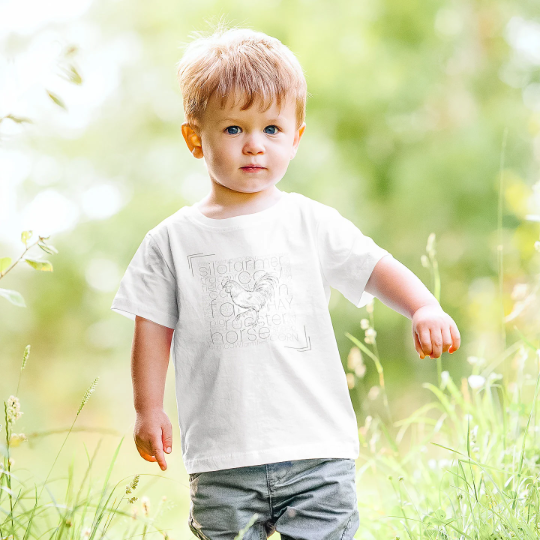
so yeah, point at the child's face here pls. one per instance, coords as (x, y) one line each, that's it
(231, 139)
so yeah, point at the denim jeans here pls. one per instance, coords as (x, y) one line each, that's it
(307, 499)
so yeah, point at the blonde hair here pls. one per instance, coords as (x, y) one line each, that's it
(239, 61)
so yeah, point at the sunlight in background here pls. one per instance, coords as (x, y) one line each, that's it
(33, 37)
(29, 65)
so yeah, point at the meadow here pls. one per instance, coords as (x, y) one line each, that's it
(465, 465)
(423, 129)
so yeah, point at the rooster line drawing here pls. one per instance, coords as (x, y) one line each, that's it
(252, 300)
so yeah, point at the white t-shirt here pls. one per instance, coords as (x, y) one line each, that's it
(259, 377)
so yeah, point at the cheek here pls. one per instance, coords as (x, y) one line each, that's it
(215, 152)
(285, 151)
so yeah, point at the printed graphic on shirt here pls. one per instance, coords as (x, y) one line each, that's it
(248, 301)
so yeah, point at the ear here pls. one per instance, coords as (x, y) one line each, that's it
(193, 140)
(297, 137)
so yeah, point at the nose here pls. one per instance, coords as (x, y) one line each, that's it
(253, 144)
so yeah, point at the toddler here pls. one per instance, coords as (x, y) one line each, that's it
(239, 284)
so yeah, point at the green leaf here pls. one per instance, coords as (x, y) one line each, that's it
(47, 248)
(17, 119)
(44, 266)
(56, 99)
(71, 75)
(13, 296)
(25, 236)
(5, 263)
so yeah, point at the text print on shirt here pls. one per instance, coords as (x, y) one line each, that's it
(248, 301)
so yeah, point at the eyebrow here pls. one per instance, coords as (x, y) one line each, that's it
(237, 120)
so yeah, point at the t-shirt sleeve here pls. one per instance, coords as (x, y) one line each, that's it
(148, 288)
(347, 256)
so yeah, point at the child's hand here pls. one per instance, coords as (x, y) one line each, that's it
(153, 434)
(434, 332)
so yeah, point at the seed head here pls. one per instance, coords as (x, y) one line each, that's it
(88, 394)
(13, 408)
(145, 502)
(25, 356)
(133, 486)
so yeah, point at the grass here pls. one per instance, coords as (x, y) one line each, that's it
(470, 468)
(88, 511)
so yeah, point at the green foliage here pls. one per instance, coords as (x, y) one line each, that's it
(6, 265)
(90, 513)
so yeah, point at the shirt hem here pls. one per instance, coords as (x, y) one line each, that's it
(131, 309)
(272, 455)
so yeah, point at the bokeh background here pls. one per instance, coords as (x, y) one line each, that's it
(424, 117)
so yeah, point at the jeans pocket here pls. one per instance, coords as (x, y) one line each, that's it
(194, 529)
(193, 476)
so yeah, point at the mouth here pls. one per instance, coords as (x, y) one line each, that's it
(252, 169)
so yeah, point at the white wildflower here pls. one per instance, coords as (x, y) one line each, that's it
(360, 371)
(17, 438)
(369, 305)
(371, 333)
(476, 381)
(355, 362)
(494, 377)
(373, 392)
(364, 324)
(350, 380)
(425, 261)
(87, 531)
(476, 360)
(13, 409)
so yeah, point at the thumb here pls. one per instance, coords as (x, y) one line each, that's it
(167, 438)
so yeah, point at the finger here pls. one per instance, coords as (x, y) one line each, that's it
(157, 451)
(424, 337)
(436, 342)
(418, 347)
(167, 438)
(145, 455)
(447, 339)
(456, 338)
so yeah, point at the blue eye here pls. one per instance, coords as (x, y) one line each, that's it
(231, 127)
(277, 129)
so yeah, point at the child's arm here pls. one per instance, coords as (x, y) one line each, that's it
(149, 362)
(396, 286)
